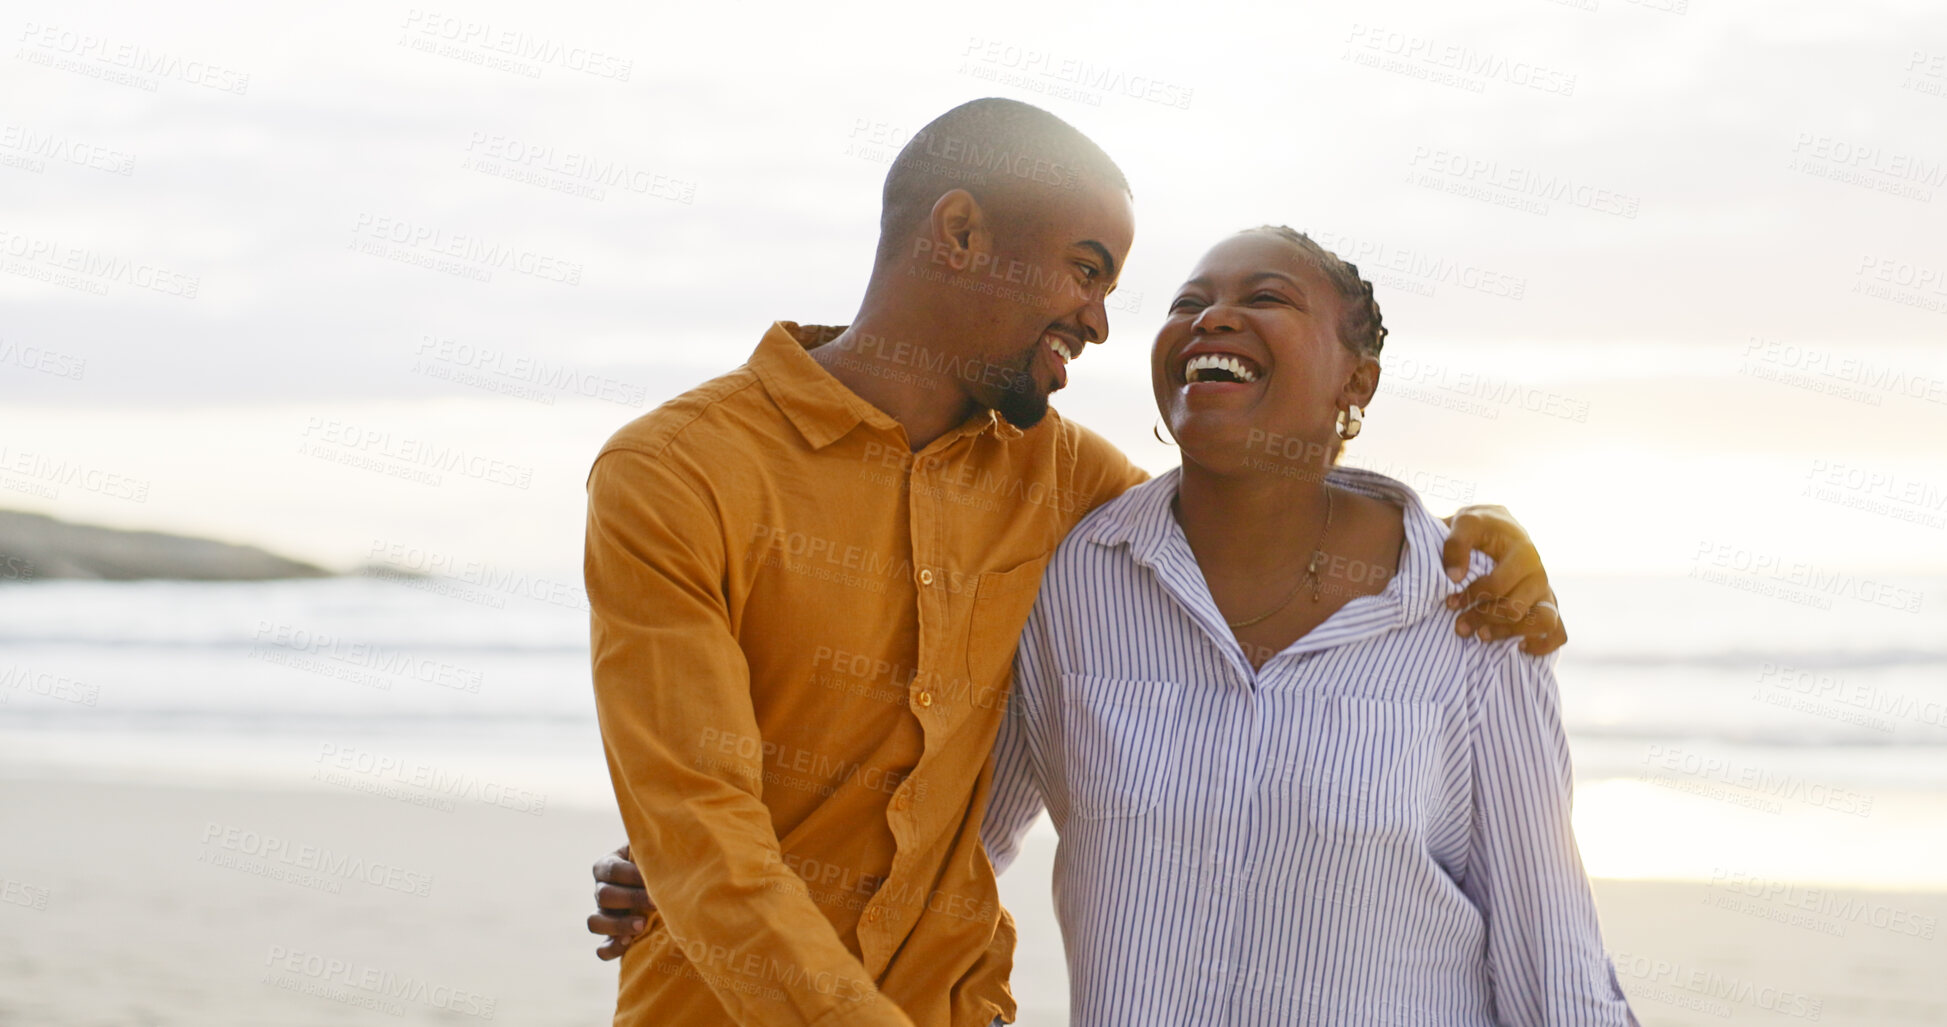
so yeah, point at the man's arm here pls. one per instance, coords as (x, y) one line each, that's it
(670, 676)
(1544, 949)
(1512, 599)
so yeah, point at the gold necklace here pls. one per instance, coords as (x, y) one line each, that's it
(1311, 572)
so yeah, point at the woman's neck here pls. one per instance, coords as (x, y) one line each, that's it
(1251, 521)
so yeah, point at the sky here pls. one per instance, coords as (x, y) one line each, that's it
(1663, 277)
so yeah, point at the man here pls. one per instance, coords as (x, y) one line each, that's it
(807, 580)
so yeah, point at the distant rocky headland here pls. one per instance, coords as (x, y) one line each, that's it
(36, 547)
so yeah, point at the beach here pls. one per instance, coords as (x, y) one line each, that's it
(376, 800)
(129, 903)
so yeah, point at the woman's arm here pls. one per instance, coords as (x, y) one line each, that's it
(1019, 773)
(1524, 872)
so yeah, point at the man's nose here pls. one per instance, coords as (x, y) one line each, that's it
(1094, 320)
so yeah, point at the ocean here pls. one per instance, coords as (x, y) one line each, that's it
(1767, 725)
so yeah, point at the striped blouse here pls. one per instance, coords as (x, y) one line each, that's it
(1373, 828)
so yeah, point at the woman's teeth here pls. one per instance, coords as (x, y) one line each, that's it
(1060, 346)
(1216, 367)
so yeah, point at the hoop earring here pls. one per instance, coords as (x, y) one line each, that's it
(1351, 420)
(1156, 430)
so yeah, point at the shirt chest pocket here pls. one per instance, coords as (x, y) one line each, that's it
(1370, 766)
(1001, 603)
(1118, 744)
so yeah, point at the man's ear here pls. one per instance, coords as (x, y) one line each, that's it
(959, 228)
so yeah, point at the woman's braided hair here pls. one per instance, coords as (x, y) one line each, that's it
(1361, 329)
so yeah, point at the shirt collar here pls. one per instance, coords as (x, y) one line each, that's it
(819, 405)
(1143, 521)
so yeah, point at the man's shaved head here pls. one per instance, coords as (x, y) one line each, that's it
(1014, 158)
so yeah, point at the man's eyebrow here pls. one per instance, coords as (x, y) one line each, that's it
(1103, 252)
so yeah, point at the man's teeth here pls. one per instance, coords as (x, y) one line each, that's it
(1060, 346)
(1204, 367)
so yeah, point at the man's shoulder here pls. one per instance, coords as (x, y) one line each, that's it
(1109, 530)
(714, 403)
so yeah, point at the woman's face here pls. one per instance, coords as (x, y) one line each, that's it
(1248, 368)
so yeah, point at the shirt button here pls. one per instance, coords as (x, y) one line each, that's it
(926, 577)
(900, 802)
(872, 915)
(926, 698)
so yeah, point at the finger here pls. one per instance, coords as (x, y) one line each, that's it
(1495, 616)
(1544, 617)
(1543, 646)
(1507, 573)
(1517, 605)
(1461, 541)
(611, 949)
(617, 924)
(629, 900)
(615, 868)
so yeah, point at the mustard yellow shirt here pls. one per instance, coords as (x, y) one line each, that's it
(802, 636)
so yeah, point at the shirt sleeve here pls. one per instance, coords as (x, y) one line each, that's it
(669, 678)
(1545, 958)
(1019, 771)
(1102, 472)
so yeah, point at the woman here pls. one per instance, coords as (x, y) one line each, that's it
(1287, 793)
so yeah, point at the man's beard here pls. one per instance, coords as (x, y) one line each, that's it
(1020, 399)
